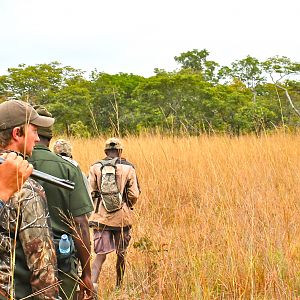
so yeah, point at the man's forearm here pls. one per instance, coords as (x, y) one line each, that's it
(82, 244)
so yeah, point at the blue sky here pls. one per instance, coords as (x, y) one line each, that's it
(136, 36)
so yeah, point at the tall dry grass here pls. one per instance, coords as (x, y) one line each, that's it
(218, 218)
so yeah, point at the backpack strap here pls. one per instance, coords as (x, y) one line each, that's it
(72, 161)
(97, 204)
(109, 162)
(123, 161)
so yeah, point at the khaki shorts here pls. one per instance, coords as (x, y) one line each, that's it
(106, 241)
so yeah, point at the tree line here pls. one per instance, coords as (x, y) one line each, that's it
(201, 96)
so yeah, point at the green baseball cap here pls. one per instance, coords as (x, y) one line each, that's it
(14, 113)
(44, 131)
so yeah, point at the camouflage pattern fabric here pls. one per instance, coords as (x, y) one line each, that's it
(62, 147)
(33, 232)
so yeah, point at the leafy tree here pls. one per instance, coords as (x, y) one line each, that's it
(78, 129)
(70, 105)
(196, 61)
(175, 101)
(36, 83)
(112, 105)
(248, 71)
(199, 97)
(279, 69)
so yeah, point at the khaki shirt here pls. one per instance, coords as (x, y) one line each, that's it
(126, 176)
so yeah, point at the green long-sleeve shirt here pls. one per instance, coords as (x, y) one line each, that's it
(63, 205)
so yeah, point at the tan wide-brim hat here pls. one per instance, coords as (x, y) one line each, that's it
(14, 113)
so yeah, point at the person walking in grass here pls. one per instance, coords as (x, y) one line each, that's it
(27, 253)
(64, 149)
(68, 212)
(115, 190)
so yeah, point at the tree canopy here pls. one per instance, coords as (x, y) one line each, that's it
(201, 96)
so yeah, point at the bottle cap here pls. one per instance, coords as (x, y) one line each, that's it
(64, 237)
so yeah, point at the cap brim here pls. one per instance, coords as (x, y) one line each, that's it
(42, 121)
(114, 148)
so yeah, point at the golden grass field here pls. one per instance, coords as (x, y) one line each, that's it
(218, 218)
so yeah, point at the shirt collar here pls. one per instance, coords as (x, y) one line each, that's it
(41, 147)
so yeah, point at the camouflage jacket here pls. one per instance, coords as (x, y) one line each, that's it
(24, 221)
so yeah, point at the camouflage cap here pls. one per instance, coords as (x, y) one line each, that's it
(113, 143)
(14, 113)
(44, 131)
(62, 147)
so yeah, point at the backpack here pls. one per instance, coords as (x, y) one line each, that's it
(111, 197)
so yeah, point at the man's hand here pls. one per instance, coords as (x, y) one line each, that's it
(86, 288)
(13, 173)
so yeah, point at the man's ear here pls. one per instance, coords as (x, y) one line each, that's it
(17, 133)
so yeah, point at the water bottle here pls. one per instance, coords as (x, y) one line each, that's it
(64, 244)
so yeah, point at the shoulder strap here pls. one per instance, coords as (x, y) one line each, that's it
(112, 161)
(72, 161)
(109, 162)
(123, 161)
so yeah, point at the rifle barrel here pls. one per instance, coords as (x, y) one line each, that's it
(63, 183)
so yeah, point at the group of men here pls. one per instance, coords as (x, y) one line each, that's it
(34, 215)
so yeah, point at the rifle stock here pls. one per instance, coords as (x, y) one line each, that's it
(63, 183)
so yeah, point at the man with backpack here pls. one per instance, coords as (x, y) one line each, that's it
(115, 190)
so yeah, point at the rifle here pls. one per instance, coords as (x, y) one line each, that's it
(63, 183)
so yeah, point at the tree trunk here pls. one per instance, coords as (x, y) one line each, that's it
(289, 98)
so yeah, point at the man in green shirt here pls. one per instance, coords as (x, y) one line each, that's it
(68, 211)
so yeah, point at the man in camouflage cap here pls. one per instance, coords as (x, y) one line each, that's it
(24, 217)
(113, 144)
(63, 148)
(68, 212)
(112, 226)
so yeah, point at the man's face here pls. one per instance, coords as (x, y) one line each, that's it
(29, 140)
